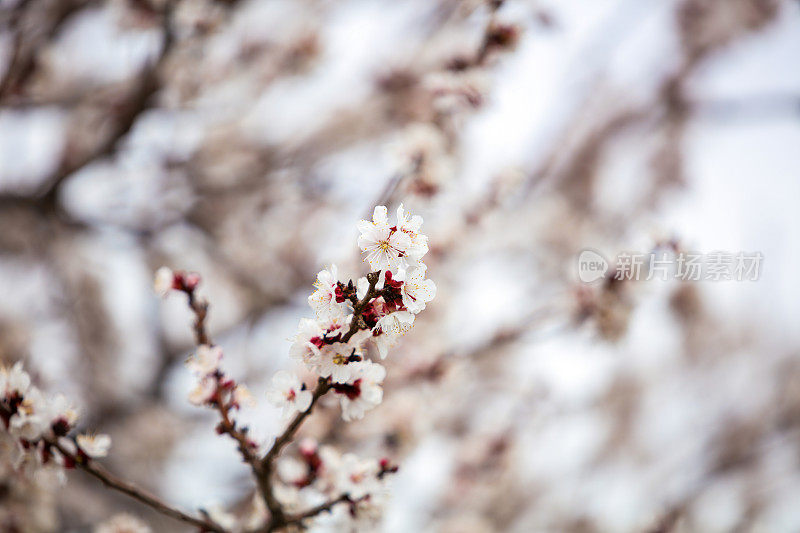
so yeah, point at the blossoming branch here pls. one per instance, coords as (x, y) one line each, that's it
(349, 316)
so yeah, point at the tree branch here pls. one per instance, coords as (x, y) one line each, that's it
(109, 480)
(278, 518)
(321, 508)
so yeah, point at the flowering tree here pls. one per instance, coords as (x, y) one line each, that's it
(334, 345)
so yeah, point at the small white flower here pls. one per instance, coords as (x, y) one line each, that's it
(205, 361)
(396, 324)
(31, 419)
(94, 445)
(314, 337)
(363, 390)
(61, 409)
(123, 523)
(416, 290)
(410, 225)
(288, 393)
(323, 300)
(334, 361)
(204, 391)
(357, 477)
(243, 396)
(307, 341)
(15, 380)
(163, 282)
(384, 247)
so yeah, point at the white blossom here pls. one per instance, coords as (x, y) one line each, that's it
(31, 420)
(15, 380)
(396, 324)
(243, 396)
(307, 341)
(416, 290)
(288, 393)
(363, 390)
(60, 408)
(357, 477)
(206, 360)
(410, 225)
(314, 342)
(383, 247)
(335, 361)
(94, 445)
(323, 299)
(203, 391)
(163, 282)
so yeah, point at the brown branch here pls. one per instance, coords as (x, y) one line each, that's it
(321, 508)
(278, 518)
(200, 309)
(137, 102)
(24, 55)
(111, 481)
(227, 425)
(356, 322)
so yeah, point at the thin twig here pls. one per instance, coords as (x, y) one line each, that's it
(110, 480)
(227, 425)
(321, 508)
(278, 518)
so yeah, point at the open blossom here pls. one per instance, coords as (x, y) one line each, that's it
(336, 360)
(62, 414)
(397, 323)
(313, 336)
(243, 396)
(410, 225)
(206, 360)
(363, 390)
(356, 476)
(14, 380)
(30, 419)
(307, 341)
(324, 299)
(289, 393)
(94, 445)
(349, 474)
(416, 290)
(383, 246)
(204, 391)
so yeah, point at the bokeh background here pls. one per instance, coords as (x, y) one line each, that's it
(244, 139)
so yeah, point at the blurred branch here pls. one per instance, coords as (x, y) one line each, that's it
(278, 518)
(124, 117)
(110, 480)
(25, 50)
